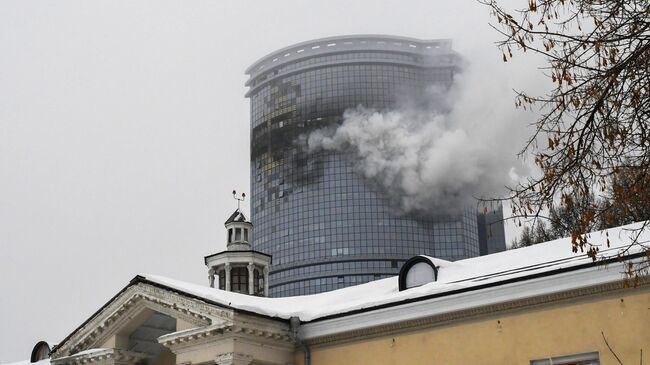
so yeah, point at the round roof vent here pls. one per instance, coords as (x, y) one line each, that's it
(417, 271)
(41, 351)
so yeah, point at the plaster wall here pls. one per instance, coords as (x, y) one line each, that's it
(183, 325)
(512, 338)
(166, 358)
(205, 354)
(261, 351)
(116, 341)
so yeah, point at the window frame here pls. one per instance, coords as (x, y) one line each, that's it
(239, 279)
(586, 358)
(222, 279)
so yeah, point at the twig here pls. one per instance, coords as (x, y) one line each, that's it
(610, 349)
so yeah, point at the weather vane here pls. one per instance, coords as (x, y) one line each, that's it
(238, 198)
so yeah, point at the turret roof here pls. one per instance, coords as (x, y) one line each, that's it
(236, 216)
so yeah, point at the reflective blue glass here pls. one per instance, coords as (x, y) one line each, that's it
(325, 225)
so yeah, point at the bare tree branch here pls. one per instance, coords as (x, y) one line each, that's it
(592, 141)
(610, 349)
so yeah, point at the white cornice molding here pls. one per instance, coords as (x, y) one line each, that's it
(191, 339)
(522, 294)
(181, 340)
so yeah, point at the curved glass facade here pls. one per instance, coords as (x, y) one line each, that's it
(325, 226)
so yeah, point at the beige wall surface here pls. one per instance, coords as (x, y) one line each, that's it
(514, 338)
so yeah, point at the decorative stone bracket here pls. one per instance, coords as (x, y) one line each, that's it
(233, 358)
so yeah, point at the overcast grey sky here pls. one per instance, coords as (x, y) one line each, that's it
(124, 128)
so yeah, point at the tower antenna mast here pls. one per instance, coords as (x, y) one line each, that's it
(238, 198)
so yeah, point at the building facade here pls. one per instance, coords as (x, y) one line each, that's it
(491, 232)
(325, 226)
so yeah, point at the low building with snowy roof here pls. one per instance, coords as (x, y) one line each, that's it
(536, 305)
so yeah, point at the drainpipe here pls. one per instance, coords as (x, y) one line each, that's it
(295, 324)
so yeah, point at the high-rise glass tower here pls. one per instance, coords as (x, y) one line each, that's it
(324, 224)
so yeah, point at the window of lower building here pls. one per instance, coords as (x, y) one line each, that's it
(258, 279)
(239, 280)
(590, 358)
(222, 279)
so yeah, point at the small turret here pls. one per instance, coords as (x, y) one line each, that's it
(239, 268)
(238, 231)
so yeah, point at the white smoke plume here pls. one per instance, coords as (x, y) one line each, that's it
(440, 156)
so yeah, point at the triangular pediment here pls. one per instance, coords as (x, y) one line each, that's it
(140, 305)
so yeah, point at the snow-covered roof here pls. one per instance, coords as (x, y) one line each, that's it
(467, 274)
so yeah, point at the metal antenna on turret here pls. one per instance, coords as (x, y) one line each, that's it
(238, 198)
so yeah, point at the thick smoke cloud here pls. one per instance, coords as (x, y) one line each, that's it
(438, 155)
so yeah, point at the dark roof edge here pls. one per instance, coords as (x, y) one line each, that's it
(478, 287)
